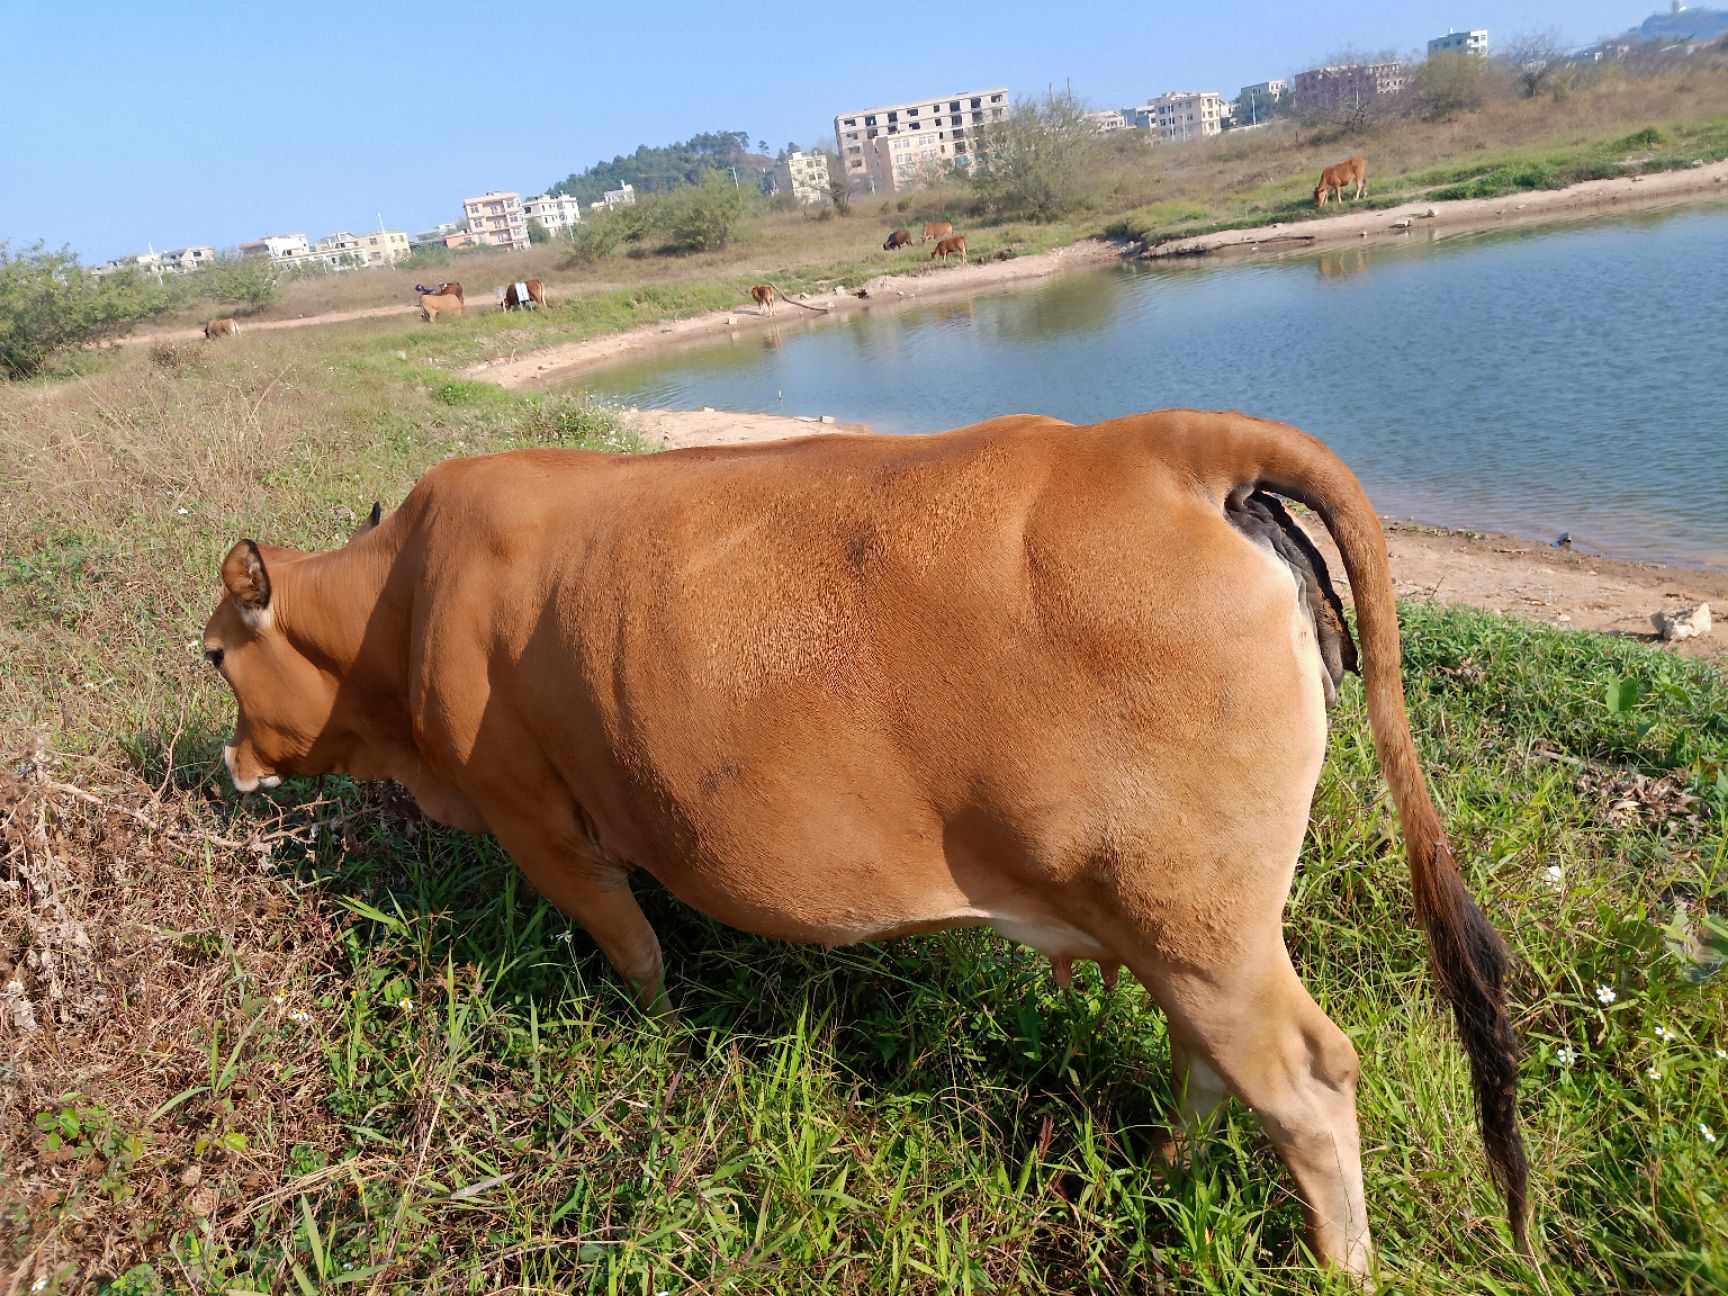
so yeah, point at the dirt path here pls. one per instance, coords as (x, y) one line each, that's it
(1423, 219)
(1493, 572)
(196, 332)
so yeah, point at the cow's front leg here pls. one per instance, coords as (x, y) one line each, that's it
(595, 893)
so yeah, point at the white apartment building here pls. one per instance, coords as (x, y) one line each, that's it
(1106, 121)
(554, 211)
(1183, 114)
(938, 132)
(804, 176)
(495, 218)
(1460, 42)
(180, 261)
(1255, 103)
(624, 196)
(277, 246)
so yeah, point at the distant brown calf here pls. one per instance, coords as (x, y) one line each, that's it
(221, 328)
(948, 245)
(898, 239)
(432, 305)
(763, 296)
(1355, 172)
(935, 230)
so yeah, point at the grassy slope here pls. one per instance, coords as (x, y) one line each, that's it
(372, 1054)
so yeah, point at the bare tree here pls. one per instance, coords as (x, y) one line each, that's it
(1535, 57)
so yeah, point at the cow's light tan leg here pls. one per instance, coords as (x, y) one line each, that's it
(597, 895)
(1257, 1030)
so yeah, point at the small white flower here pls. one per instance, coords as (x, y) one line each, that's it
(404, 1003)
(300, 1016)
(1722, 1053)
(1606, 995)
(182, 512)
(1554, 875)
(1565, 1055)
(1663, 1033)
(1708, 1133)
(40, 1284)
(279, 1000)
(563, 936)
(1653, 1073)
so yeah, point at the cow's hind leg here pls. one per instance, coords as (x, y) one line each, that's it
(1256, 1029)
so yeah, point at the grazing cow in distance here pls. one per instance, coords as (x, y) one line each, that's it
(935, 230)
(763, 296)
(950, 245)
(1354, 171)
(898, 239)
(434, 305)
(522, 293)
(221, 328)
(1069, 682)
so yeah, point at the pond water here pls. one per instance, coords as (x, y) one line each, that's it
(1537, 381)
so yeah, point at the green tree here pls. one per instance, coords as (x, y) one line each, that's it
(594, 239)
(537, 232)
(1035, 164)
(50, 304)
(1449, 85)
(705, 217)
(245, 281)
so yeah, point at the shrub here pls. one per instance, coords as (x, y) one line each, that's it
(50, 304)
(704, 217)
(1036, 163)
(247, 282)
(1649, 137)
(593, 240)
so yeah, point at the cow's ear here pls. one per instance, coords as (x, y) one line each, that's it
(244, 577)
(372, 520)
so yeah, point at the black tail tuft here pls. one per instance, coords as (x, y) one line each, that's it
(1470, 961)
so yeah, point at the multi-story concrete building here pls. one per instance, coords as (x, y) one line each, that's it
(937, 132)
(277, 246)
(804, 176)
(554, 211)
(1255, 103)
(622, 196)
(1460, 42)
(180, 261)
(1346, 88)
(495, 218)
(1182, 114)
(1106, 121)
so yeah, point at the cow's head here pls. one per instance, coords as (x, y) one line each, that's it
(283, 698)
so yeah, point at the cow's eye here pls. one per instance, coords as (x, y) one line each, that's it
(214, 657)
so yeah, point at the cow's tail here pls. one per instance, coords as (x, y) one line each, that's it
(1238, 454)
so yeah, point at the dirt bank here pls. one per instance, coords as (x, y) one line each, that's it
(559, 360)
(1493, 572)
(1422, 219)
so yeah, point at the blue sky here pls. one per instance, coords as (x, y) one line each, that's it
(130, 122)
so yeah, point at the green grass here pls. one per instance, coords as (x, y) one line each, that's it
(368, 1055)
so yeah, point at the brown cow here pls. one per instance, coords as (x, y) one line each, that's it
(950, 245)
(518, 295)
(444, 289)
(433, 305)
(221, 328)
(935, 230)
(898, 239)
(1354, 171)
(1069, 682)
(763, 296)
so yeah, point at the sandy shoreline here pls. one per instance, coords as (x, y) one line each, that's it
(1426, 220)
(1493, 572)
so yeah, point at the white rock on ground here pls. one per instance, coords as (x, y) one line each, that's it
(1687, 623)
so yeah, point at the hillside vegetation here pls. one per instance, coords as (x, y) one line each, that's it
(307, 1040)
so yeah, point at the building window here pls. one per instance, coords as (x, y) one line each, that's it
(977, 102)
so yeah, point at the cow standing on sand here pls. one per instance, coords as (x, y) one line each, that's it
(434, 306)
(898, 239)
(221, 328)
(949, 246)
(763, 296)
(935, 230)
(1069, 682)
(1354, 171)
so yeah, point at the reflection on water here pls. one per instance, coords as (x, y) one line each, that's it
(1569, 379)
